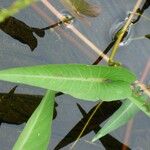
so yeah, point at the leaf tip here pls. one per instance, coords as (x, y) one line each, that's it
(96, 137)
(93, 140)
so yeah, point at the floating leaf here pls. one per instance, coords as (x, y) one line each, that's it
(147, 36)
(119, 118)
(86, 82)
(142, 102)
(37, 131)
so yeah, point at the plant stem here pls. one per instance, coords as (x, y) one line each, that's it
(97, 107)
(144, 16)
(108, 48)
(65, 20)
(137, 38)
(124, 29)
(76, 32)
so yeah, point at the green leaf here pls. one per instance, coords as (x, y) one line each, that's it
(141, 102)
(147, 36)
(14, 8)
(86, 82)
(119, 118)
(37, 131)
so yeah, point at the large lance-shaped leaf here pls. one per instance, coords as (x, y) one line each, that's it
(142, 102)
(86, 82)
(37, 131)
(119, 118)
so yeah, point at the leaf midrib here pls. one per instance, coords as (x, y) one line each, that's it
(60, 78)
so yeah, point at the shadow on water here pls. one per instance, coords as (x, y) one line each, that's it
(24, 33)
(17, 108)
(108, 141)
(21, 31)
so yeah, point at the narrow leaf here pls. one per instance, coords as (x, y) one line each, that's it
(141, 102)
(37, 131)
(119, 118)
(86, 82)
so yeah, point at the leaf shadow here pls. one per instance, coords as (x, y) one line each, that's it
(17, 108)
(104, 112)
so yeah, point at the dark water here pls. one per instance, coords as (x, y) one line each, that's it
(62, 46)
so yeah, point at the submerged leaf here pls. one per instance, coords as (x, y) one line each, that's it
(37, 131)
(147, 36)
(86, 82)
(119, 118)
(80, 8)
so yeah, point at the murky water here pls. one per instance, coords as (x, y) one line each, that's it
(62, 46)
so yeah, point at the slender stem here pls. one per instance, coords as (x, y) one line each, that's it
(97, 107)
(144, 16)
(137, 38)
(76, 32)
(66, 20)
(124, 29)
(108, 48)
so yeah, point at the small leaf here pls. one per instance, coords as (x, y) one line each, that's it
(37, 131)
(86, 82)
(147, 36)
(141, 102)
(119, 118)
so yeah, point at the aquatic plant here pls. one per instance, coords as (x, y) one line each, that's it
(86, 82)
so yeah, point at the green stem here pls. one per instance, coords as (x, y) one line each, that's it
(124, 29)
